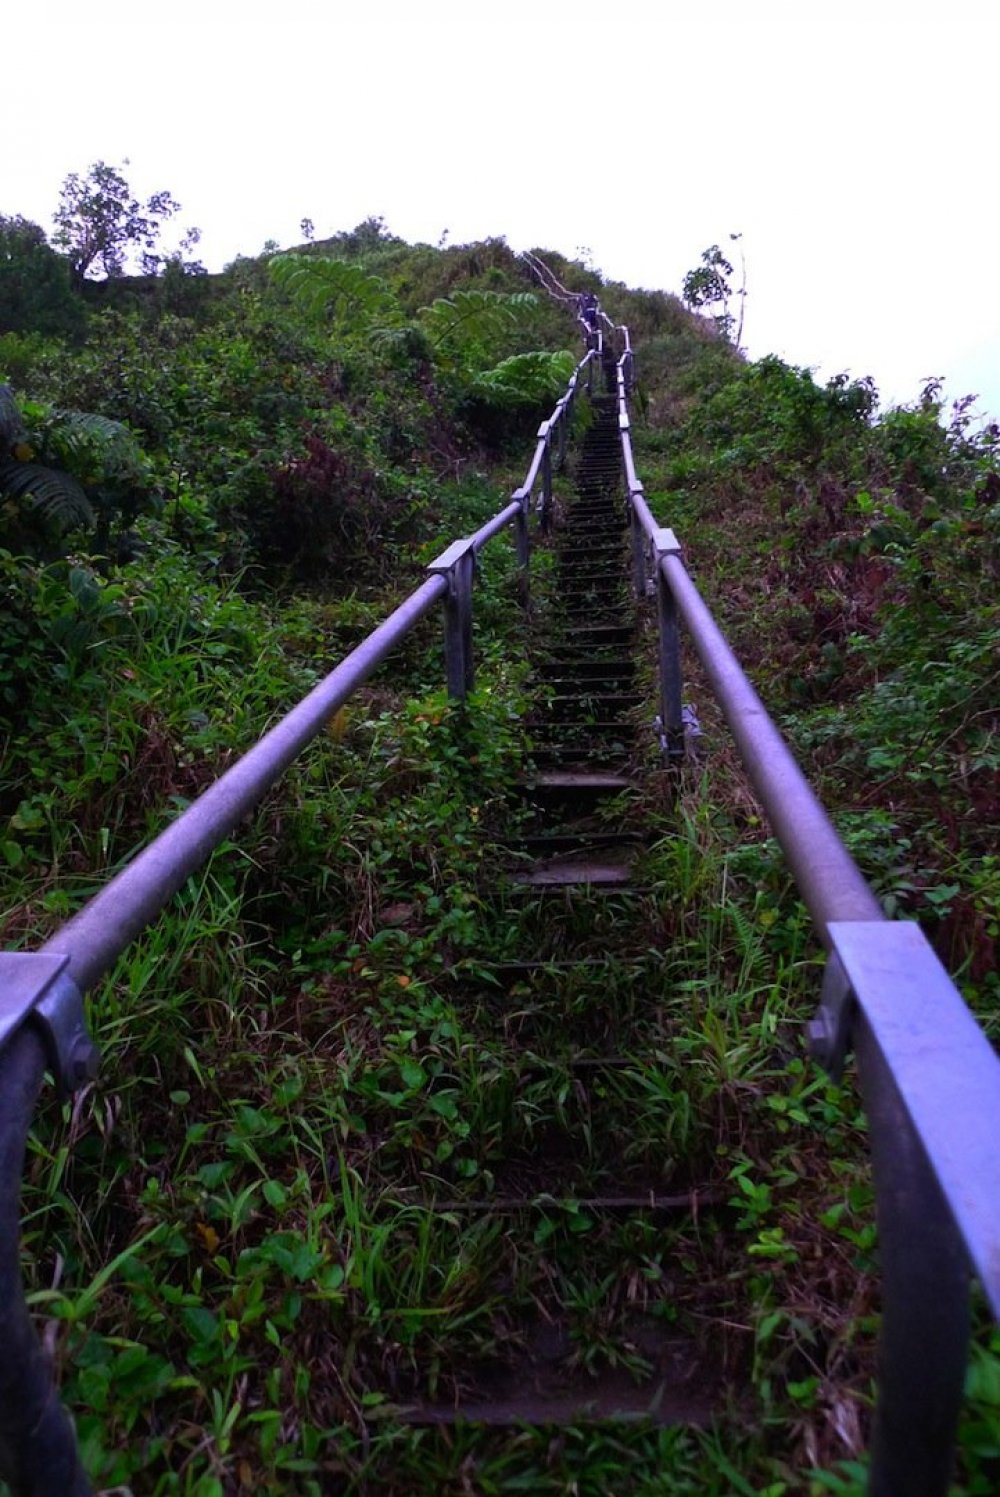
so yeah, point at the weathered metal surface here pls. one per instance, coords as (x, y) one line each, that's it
(826, 875)
(945, 1069)
(95, 937)
(579, 780)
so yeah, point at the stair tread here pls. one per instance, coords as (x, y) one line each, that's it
(564, 843)
(568, 779)
(540, 1384)
(564, 870)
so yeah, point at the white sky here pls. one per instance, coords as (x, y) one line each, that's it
(852, 142)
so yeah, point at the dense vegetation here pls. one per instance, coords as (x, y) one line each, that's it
(210, 488)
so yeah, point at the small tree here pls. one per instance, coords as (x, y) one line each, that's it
(708, 285)
(99, 222)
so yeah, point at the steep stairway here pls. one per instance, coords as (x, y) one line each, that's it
(583, 736)
(575, 1173)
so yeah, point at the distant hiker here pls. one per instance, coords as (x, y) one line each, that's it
(589, 310)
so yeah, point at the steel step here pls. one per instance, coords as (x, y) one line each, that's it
(560, 872)
(572, 842)
(596, 781)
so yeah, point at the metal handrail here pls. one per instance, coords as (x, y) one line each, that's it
(930, 1079)
(41, 992)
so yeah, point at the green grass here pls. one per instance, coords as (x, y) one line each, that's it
(259, 1238)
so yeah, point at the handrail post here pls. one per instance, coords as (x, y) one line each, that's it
(545, 434)
(42, 1026)
(923, 1346)
(457, 565)
(665, 543)
(879, 971)
(522, 544)
(561, 453)
(638, 542)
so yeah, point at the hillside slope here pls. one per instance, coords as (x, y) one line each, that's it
(315, 1065)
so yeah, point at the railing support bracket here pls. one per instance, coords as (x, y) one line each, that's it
(35, 987)
(458, 565)
(829, 1032)
(665, 544)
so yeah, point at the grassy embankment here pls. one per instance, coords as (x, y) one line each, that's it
(229, 1236)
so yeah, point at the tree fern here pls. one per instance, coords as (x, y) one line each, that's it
(97, 449)
(91, 472)
(55, 497)
(525, 379)
(334, 290)
(473, 317)
(403, 341)
(11, 424)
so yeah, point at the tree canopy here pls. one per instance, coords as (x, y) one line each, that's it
(35, 291)
(100, 222)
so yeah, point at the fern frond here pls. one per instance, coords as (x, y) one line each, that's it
(11, 425)
(333, 289)
(56, 497)
(482, 315)
(404, 339)
(94, 447)
(525, 379)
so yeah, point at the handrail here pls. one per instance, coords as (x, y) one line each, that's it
(930, 1079)
(41, 992)
(95, 937)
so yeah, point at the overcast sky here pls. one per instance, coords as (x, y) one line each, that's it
(854, 145)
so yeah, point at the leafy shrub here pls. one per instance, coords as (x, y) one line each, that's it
(35, 291)
(323, 510)
(92, 474)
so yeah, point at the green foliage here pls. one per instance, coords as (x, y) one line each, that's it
(35, 291)
(769, 412)
(55, 500)
(333, 292)
(313, 1045)
(530, 379)
(20, 354)
(709, 285)
(93, 474)
(99, 222)
(369, 239)
(465, 328)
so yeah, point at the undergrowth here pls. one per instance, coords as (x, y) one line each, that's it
(258, 1239)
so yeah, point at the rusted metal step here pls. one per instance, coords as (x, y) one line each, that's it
(613, 634)
(652, 1200)
(607, 592)
(610, 551)
(584, 610)
(605, 576)
(572, 599)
